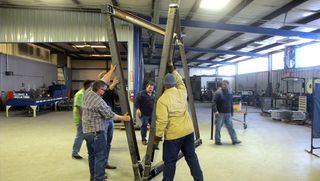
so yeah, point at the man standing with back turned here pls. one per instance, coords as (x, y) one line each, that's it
(174, 123)
(223, 109)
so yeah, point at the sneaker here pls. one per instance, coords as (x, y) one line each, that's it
(111, 167)
(77, 157)
(218, 143)
(144, 142)
(236, 142)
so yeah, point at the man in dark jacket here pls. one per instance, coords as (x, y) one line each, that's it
(223, 110)
(144, 105)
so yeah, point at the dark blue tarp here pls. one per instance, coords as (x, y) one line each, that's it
(316, 112)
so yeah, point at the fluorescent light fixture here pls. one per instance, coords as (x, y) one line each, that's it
(89, 46)
(213, 4)
(98, 46)
(100, 55)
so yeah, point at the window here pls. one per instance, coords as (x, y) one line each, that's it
(253, 65)
(199, 71)
(278, 61)
(227, 70)
(308, 55)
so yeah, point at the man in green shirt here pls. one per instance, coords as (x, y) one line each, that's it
(77, 115)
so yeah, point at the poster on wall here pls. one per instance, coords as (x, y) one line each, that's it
(316, 111)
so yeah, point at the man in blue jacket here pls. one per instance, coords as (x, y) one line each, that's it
(223, 110)
(144, 105)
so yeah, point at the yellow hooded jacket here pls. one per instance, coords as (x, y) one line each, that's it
(173, 118)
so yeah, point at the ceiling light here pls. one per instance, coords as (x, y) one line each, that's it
(81, 46)
(100, 55)
(98, 46)
(213, 4)
(89, 46)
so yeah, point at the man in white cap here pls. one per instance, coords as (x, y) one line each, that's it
(175, 124)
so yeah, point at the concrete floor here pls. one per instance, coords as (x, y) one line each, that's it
(38, 149)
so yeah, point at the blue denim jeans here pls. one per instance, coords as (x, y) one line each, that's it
(78, 140)
(108, 133)
(96, 144)
(145, 120)
(225, 118)
(171, 150)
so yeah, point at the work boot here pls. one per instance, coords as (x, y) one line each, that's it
(111, 167)
(236, 142)
(144, 142)
(218, 143)
(77, 157)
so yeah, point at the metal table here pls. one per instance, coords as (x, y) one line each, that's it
(33, 103)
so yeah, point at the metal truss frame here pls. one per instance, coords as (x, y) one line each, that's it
(172, 37)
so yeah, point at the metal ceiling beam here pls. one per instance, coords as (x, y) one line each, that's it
(57, 46)
(208, 50)
(284, 9)
(180, 66)
(232, 13)
(52, 50)
(250, 29)
(46, 7)
(208, 61)
(228, 52)
(266, 18)
(131, 18)
(98, 58)
(107, 46)
(301, 21)
(58, 49)
(177, 59)
(189, 16)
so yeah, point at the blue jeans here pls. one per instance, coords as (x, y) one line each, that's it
(96, 144)
(78, 140)
(145, 120)
(225, 118)
(108, 134)
(171, 150)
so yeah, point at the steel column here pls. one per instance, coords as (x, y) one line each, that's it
(269, 86)
(187, 78)
(123, 97)
(165, 56)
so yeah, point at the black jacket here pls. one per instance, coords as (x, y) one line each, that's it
(222, 101)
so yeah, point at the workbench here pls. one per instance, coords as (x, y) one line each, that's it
(33, 103)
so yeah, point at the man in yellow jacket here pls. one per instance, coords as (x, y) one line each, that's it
(175, 124)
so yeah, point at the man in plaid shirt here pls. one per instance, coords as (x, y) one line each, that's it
(95, 112)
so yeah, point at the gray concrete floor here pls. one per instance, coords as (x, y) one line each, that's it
(38, 149)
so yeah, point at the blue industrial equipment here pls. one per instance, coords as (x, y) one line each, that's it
(315, 128)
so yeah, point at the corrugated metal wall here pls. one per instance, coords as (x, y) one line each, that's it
(34, 25)
(252, 81)
(258, 81)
